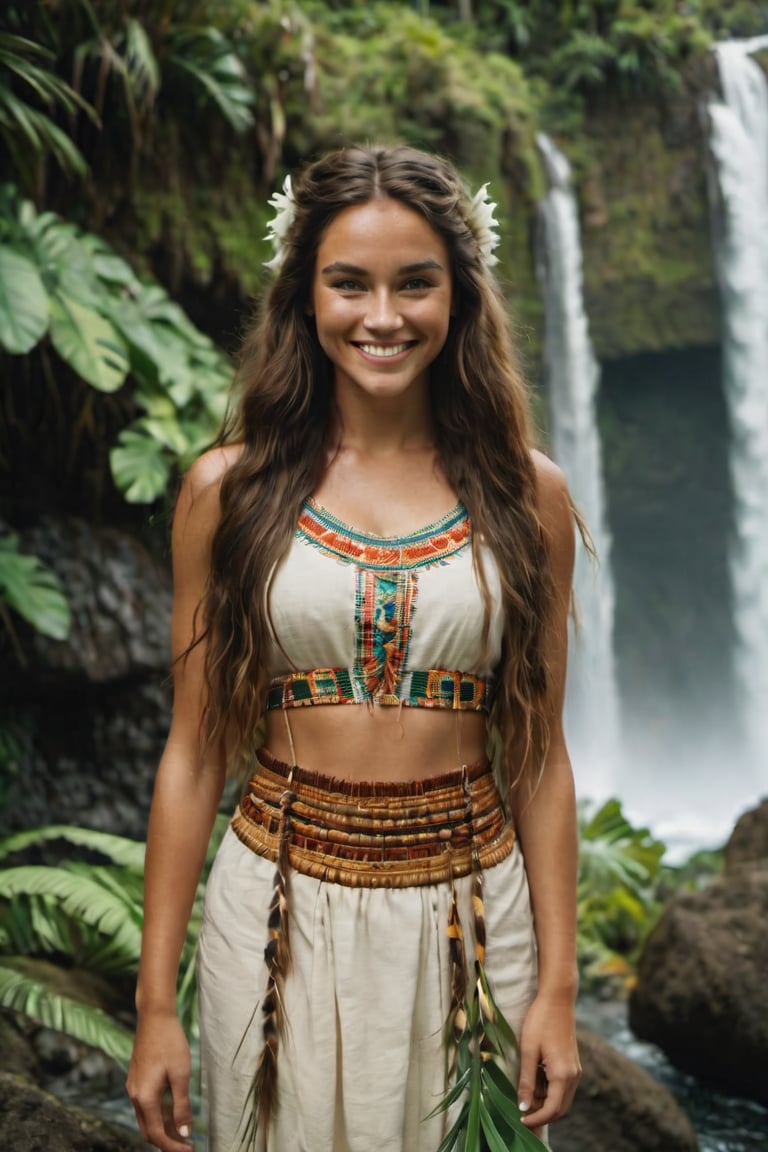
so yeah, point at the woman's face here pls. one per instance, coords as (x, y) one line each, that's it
(381, 298)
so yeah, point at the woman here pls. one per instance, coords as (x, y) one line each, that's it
(376, 534)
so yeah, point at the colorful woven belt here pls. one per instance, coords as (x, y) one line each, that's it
(372, 834)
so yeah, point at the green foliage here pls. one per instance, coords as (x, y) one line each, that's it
(641, 49)
(618, 869)
(205, 57)
(29, 84)
(88, 915)
(66, 286)
(432, 93)
(489, 1117)
(32, 590)
(84, 1022)
(125, 63)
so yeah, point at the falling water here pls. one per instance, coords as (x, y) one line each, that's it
(572, 376)
(739, 141)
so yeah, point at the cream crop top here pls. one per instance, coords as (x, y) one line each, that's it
(390, 620)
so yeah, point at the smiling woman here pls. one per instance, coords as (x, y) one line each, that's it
(376, 533)
(381, 299)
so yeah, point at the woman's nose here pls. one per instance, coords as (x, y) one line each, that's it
(382, 312)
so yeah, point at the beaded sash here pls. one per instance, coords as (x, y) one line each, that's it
(368, 835)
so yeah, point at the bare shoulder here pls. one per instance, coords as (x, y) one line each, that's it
(553, 498)
(209, 469)
(198, 508)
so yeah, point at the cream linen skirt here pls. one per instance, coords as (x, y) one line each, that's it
(361, 1057)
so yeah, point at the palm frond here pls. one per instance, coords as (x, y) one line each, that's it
(489, 1118)
(83, 1022)
(82, 899)
(119, 849)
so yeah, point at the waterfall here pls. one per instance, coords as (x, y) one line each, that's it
(739, 143)
(571, 377)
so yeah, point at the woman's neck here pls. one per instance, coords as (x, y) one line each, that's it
(386, 429)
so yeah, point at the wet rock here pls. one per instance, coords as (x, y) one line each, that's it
(17, 1053)
(701, 993)
(120, 601)
(88, 761)
(620, 1108)
(748, 843)
(31, 1120)
(87, 717)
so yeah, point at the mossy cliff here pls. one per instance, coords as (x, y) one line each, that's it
(648, 262)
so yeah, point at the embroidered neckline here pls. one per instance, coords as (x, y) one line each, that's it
(432, 544)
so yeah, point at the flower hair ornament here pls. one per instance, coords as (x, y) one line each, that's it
(484, 225)
(284, 204)
(480, 220)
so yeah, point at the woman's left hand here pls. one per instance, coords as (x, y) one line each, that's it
(549, 1061)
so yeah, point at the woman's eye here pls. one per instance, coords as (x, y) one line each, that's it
(417, 284)
(348, 285)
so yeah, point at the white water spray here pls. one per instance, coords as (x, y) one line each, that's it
(739, 141)
(572, 376)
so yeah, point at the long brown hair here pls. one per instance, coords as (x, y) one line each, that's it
(480, 412)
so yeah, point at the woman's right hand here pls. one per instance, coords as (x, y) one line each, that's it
(158, 1082)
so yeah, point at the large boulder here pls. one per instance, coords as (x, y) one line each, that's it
(701, 993)
(748, 843)
(89, 715)
(120, 602)
(620, 1108)
(31, 1120)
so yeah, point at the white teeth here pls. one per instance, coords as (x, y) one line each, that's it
(383, 350)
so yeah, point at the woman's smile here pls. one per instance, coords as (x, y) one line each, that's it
(385, 351)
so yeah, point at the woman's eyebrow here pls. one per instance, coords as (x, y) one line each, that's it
(340, 266)
(406, 270)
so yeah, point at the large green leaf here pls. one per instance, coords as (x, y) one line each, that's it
(613, 852)
(84, 1022)
(33, 590)
(89, 343)
(65, 262)
(208, 60)
(24, 313)
(119, 849)
(140, 466)
(81, 898)
(158, 355)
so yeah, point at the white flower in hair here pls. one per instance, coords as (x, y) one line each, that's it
(284, 204)
(484, 225)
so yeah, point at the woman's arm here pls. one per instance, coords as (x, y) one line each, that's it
(547, 827)
(187, 792)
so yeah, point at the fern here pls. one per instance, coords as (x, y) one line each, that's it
(119, 849)
(84, 1022)
(83, 900)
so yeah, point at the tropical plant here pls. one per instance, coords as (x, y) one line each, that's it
(88, 916)
(66, 289)
(619, 866)
(30, 588)
(29, 132)
(485, 1098)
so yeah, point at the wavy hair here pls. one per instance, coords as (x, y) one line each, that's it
(283, 420)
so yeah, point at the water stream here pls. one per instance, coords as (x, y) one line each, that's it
(722, 1123)
(739, 195)
(571, 377)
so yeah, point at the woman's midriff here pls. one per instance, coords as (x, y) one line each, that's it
(357, 742)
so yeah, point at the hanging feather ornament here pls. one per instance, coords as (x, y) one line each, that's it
(277, 957)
